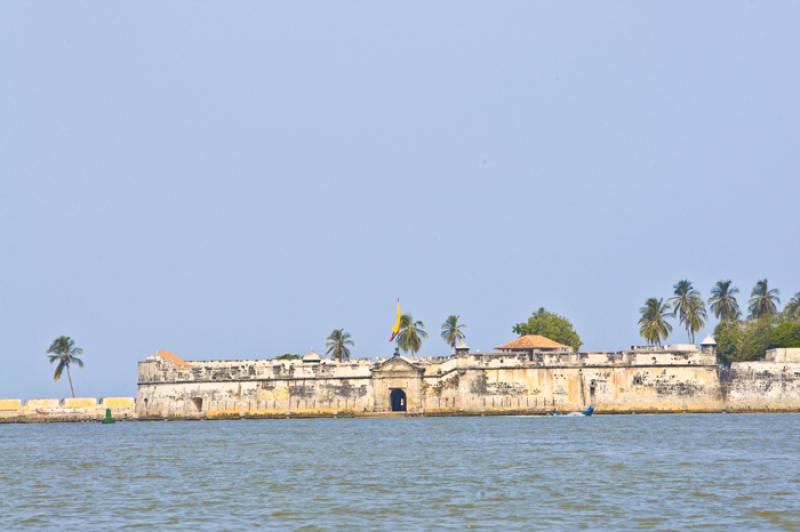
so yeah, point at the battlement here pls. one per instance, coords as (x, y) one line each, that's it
(157, 369)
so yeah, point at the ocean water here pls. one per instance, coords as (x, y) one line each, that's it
(605, 472)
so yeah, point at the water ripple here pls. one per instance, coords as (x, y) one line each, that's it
(607, 472)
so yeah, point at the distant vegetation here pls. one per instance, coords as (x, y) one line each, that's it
(553, 326)
(64, 351)
(737, 339)
(289, 356)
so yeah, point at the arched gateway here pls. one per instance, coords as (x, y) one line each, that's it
(398, 400)
(397, 385)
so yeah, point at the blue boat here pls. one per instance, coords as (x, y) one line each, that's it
(586, 413)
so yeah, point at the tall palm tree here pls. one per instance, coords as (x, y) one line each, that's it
(411, 334)
(688, 305)
(63, 349)
(763, 300)
(452, 330)
(792, 308)
(695, 317)
(684, 291)
(338, 343)
(653, 325)
(723, 301)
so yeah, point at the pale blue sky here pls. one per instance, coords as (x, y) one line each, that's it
(236, 179)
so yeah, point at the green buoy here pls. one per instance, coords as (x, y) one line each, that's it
(108, 420)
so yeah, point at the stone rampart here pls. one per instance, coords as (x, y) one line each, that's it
(69, 409)
(534, 382)
(762, 386)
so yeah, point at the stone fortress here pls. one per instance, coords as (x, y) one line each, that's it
(529, 375)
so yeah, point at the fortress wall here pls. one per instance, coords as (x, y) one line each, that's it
(156, 371)
(541, 390)
(762, 386)
(255, 398)
(480, 383)
(69, 409)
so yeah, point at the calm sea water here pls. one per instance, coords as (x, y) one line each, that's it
(663, 472)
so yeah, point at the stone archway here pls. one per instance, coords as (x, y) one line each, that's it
(397, 399)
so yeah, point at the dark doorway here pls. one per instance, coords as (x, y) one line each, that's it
(398, 399)
(198, 403)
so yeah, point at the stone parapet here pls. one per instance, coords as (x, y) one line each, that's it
(69, 409)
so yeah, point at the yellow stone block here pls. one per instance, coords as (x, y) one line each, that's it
(80, 402)
(118, 402)
(10, 404)
(42, 403)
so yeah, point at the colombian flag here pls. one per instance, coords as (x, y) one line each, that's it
(396, 328)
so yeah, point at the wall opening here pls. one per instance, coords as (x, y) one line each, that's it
(198, 403)
(398, 400)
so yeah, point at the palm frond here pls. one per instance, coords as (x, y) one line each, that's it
(59, 370)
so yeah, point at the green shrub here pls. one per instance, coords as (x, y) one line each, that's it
(786, 335)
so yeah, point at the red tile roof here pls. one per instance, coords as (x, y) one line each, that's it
(169, 357)
(531, 341)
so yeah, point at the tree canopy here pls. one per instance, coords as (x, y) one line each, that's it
(551, 325)
(64, 351)
(289, 356)
(653, 325)
(723, 301)
(411, 334)
(338, 344)
(452, 330)
(739, 341)
(763, 300)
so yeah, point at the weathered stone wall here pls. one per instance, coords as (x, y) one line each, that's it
(642, 380)
(761, 386)
(70, 409)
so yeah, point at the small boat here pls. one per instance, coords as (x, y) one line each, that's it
(586, 413)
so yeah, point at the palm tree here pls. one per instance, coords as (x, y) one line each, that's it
(688, 305)
(695, 316)
(684, 291)
(337, 344)
(763, 301)
(653, 325)
(723, 301)
(411, 334)
(64, 350)
(452, 330)
(792, 308)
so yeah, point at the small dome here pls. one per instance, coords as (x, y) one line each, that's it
(311, 357)
(461, 344)
(708, 340)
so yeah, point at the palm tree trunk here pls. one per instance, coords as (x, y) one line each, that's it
(69, 376)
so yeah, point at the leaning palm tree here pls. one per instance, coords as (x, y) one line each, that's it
(792, 308)
(452, 330)
(411, 334)
(763, 300)
(688, 306)
(63, 349)
(338, 343)
(653, 325)
(684, 291)
(695, 317)
(723, 301)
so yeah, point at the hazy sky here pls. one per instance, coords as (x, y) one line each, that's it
(236, 179)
